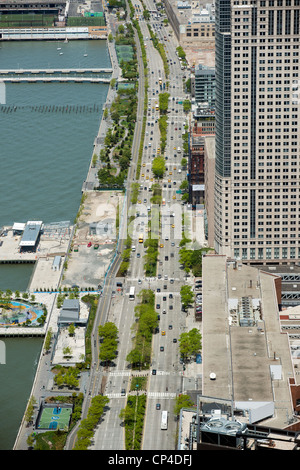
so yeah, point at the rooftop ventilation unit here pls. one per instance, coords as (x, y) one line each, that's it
(223, 426)
(245, 312)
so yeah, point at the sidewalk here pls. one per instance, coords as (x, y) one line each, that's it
(92, 177)
(193, 370)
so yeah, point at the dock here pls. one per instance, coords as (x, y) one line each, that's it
(44, 79)
(58, 70)
(79, 75)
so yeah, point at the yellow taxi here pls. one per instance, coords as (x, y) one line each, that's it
(170, 173)
(143, 175)
(163, 333)
(173, 226)
(161, 245)
(173, 197)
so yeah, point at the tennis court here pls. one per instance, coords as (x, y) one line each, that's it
(54, 417)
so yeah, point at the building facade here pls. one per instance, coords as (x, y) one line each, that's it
(205, 85)
(257, 130)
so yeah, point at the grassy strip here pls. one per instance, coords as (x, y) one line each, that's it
(133, 415)
(140, 356)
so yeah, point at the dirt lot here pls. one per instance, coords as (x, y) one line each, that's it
(200, 56)
(96, 226)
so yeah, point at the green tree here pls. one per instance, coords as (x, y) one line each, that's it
(184, 185)
(182, 401)
(108, 330)
(188, 85)
(71, 329)
(30, 409)
(105, 113)
(185, 197)
(184, 162)
(108, 350)
(187, 106)
(48, 340)
(8, 293)
(195, 341)
(190, 343)
(181, 53)
(187, 296)
(163, 102)
(158, 167)
(67, 351)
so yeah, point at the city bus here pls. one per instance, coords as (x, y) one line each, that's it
(164, 420)
(141, 238)
(132, 293)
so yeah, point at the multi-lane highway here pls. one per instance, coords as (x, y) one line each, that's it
(165, 379)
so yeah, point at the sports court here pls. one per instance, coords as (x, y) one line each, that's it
(54, 417)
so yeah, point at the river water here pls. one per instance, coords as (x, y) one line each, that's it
(47, 133)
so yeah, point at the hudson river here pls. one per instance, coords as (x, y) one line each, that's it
(47, 133)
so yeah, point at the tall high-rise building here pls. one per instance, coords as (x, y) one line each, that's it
(205, 85)
(257, 172)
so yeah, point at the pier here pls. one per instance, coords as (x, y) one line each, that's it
(52, 71)
(54, 79)
(79, 75)
(82, 75)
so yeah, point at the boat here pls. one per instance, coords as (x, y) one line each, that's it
(59, 48)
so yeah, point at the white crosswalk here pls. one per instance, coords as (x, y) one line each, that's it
(115, 395)
(127, 373)
(161, 395)
(118, 373)
(149, 395)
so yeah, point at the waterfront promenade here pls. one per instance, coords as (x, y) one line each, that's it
(92, 176)
(41, 382)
